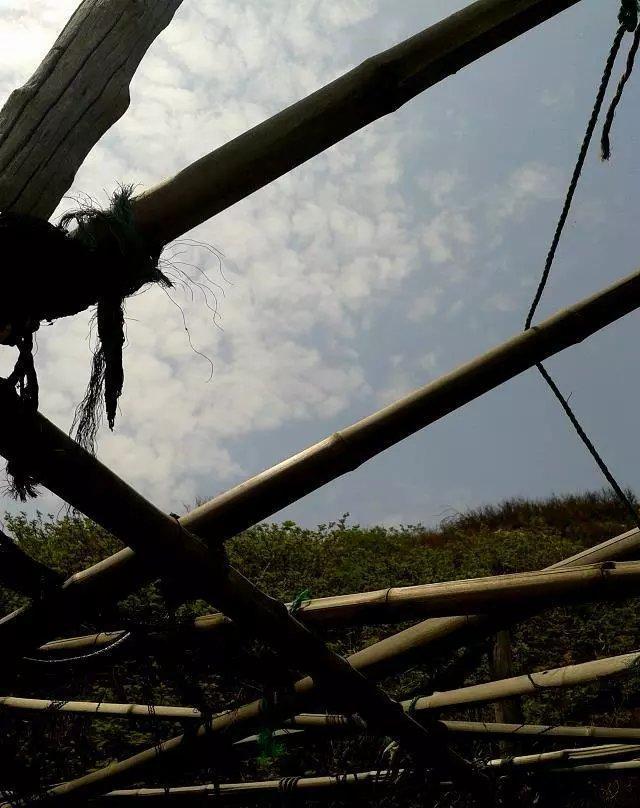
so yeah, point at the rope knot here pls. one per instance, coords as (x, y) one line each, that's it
(628, 15)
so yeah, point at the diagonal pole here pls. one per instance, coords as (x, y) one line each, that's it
(379, 86)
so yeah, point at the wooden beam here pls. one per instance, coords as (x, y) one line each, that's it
(48, 126)
(379, 86)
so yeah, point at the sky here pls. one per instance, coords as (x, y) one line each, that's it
(400, 253)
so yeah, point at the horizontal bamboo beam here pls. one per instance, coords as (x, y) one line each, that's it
(249, 716)
(608, 580)
(527, 684)
(296, 730)
(336, 787)
(15, 704)
(568, 757)
(605, 581)
(379, 86)
(621, 768)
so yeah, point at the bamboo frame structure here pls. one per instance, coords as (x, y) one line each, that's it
(625, 545)
(191, 549)
(231, 723)
(87, 485)
(527, 684)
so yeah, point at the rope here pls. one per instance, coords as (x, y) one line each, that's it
(628, 19)
(577, 171)
(624, 499)
(605, 142)
(297, 603)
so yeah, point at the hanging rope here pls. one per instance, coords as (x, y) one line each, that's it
(605, 142)
(628, 19)
(577, 171)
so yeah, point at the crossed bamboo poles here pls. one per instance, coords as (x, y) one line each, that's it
(165, 546)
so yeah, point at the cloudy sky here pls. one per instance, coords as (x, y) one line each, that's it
(395, 256)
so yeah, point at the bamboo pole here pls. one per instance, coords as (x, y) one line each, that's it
(341, 786)
(621, 768)
(87, 485)
(379, 86)
(92, 488)
(527, 684)
(296, 730)
(568, 757)
(232, 723)
(14, 704)
(605, 581)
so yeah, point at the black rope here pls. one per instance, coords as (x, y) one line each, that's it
(605, 142)
(624, 499)
(577, 171)
(628, 19)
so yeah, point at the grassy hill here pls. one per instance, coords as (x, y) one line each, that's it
(339, 557)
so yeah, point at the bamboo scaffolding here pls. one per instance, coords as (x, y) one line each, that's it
(230, 724)
(527, 684)
(379, 86)
(86, 484)
(605, 581)
(569, 757)
(90, 487)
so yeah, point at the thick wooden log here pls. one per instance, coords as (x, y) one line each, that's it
(379, 86)
(48, 126)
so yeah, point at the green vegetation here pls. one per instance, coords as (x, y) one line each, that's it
(286, 559)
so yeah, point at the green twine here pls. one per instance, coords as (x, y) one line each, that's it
(298, 601)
